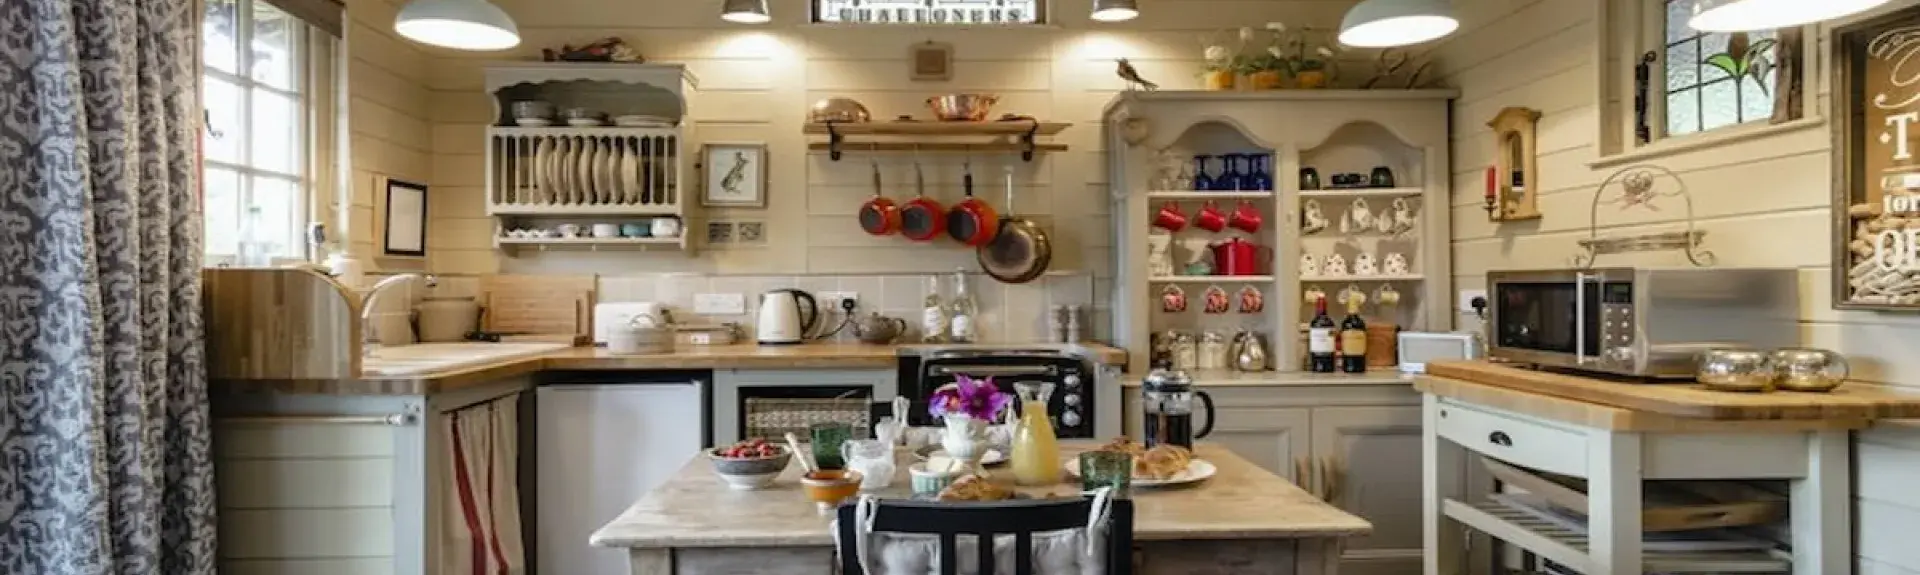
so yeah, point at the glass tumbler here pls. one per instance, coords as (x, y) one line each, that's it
(1106, 469)
(826, 439)
(873, 458)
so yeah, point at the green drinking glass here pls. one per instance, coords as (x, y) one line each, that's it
(827, 439)
(1106, 469)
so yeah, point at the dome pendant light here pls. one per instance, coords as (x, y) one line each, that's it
(746, 12)
(1750, 15)
(1390, 23)
(457, 24)
(1115, 10)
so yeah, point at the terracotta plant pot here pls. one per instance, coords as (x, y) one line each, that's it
(1264, 80)
(1310, 79)
(1218, 79)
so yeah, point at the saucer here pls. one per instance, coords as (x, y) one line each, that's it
(532, 122)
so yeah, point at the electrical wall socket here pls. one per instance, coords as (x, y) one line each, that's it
(719, 304)
(1468, 295)
(830, 300)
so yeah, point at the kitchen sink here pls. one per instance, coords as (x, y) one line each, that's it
(431, 357)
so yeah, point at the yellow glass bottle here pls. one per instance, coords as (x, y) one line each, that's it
(1036, 453)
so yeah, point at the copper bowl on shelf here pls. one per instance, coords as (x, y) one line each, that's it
(840, 110)
(962, 107)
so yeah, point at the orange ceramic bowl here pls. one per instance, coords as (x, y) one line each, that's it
(827, 488)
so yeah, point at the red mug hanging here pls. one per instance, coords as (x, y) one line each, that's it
(1170, 218)
(1216, 300)
(1173, 299)
(1251, 300)
(1246, 218)
(1239, 257)
(1210, 218)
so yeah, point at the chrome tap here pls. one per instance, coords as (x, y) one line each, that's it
(372, 301)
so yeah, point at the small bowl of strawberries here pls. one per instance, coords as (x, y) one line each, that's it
(750, 464)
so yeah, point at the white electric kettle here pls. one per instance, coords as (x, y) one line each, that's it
(786, 316)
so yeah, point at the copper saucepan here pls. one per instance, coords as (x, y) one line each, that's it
(921, 219)
(972, 222)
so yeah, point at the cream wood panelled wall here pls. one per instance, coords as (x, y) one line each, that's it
(388, 111)
(757, 81)
(1763, 201)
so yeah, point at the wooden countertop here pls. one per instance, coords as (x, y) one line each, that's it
(738, 356)
(1854, 402)
(696, 509)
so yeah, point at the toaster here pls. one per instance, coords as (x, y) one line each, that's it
(1419, 347)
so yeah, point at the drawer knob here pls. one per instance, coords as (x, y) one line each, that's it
(1500, 438)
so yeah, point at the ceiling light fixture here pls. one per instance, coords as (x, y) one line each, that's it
(746, 12)
(1115, 10)
(1390, 23)
(1750, 15)
(457, 24)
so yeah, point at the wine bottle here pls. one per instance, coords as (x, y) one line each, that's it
(1353, 339)
(1320, 334)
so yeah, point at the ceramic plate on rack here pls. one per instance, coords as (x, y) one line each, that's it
(625, 174)
(562, 148)
(582, 173)
(1197, 470)
(637, 185)
(549, 179)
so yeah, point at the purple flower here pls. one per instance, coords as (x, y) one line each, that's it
(976, 398)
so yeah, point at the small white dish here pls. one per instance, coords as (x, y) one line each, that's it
(642, 121)
(584, 122)
(749, 482)
(532, 122)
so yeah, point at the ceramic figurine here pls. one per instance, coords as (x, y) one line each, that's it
(1336, 266)
(1314, 221)
(1395, 264)
(1363, 265)
(1308, 265)
(1159, 255)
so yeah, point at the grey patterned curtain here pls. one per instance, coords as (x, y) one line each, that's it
(104, 463)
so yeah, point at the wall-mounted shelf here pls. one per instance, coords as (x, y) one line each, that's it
(1209, 279)
(1371, 278)
(1189, 195)
(589, 244)
(998, 135)
(1364, 193)
(581, 210)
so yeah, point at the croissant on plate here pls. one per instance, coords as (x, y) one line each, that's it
(1160, 462)
(975, 488)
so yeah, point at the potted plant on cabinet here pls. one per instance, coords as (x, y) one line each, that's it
(1308, 56)
(1221, 68)
(1269, 68)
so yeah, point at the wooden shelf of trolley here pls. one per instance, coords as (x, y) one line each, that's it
(1020, 136)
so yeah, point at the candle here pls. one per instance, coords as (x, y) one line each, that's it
(1493, 183)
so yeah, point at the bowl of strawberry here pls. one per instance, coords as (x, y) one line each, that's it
(750, 464)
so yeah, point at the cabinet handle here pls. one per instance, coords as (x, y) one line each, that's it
(1500, 438)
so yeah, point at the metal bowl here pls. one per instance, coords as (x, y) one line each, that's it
(1811, 370)
(838, 110)
(1736, 369)
(962, 107)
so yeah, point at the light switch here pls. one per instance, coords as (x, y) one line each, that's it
(719, 304)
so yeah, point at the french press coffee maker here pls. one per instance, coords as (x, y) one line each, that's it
(1167, 401)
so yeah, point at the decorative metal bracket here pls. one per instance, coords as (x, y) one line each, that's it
(1636, 189)
(1026, 141)
(834, 140)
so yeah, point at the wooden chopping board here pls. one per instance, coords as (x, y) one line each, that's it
(1689, 400)
(556, 307)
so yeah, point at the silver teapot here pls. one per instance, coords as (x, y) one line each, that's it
(878, 329)
(1249, 351)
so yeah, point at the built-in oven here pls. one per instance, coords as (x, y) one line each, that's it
(1637, 321)
(1071, 407)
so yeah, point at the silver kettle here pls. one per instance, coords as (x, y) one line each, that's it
(1249, 351)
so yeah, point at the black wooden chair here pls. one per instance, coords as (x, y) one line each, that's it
(985, 520)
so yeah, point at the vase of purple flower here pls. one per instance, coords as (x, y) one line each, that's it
(967, 406)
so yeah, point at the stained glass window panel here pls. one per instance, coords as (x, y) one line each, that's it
(1683, 112)
(1719, 105)
(1682, 69)
(1714, 80)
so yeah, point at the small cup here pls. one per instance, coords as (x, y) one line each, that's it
(666, 228)
(929, 482)
(1106, 469)
(828, 440)
(577, 113)
(606, 230)
(533, 109)
(635, 230)
(569, 230)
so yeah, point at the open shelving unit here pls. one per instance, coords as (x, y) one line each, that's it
(1011, 136)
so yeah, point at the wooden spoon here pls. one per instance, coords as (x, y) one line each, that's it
(806, 459)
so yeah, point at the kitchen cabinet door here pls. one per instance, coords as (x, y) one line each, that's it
(600, 448)
(1370, 459)
(1274, 438)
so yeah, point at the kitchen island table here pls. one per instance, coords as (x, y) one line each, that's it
(1244, 520)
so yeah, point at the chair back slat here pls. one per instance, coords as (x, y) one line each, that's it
(983, 520)
(984, 550)
(1023, 562)
(949, 553)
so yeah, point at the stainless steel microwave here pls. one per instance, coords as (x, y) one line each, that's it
(1636, 321)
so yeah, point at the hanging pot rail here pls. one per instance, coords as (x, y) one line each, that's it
(1002, 136)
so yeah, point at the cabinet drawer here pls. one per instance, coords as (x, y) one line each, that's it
(1514, 439)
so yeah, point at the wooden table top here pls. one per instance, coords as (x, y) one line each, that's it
(1242, 501)
(1854, 404)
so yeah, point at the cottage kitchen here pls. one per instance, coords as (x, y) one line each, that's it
(1262, 287)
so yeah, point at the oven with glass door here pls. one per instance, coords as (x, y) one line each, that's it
(1639, 322)
(1071, 407)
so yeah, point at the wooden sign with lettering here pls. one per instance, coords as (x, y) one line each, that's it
(1876, 124)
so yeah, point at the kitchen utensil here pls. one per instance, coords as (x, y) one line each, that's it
(1806, 369)
(1184, 351)
(749, 473)
(606, 230)
(585, 122)
(962, 107)
(1251, 300)
(827, 488)
(1313, 221)
(1386, 295)
(1335, 266)
(666, 227)
(1020, 251)
(1239, 257)
(844, 110)
(596, 171)
(1169, 217)
(806, 458)
(878, 329)
(532, 110)
(1249, 351)
(1309, 266)
(972, 222)
(879, 216)
(787, 316)
(872, 459)
(541, 305)
(1363, 264)
(922, 219)
(928, 479)
(1215, 301)
(1349, 180)
(1210, 218)
(828, 438)
(609, 315)
(643, 334)
(580, 112)
(1167, 401)
(582, 172)
(1381, 177)
(448, 318)
(1736, 369)
(642, 121)
(1309, 179)
(1395, 264)
(635, 230)
(1108, 469)
(1246, 217)
(1173, 299)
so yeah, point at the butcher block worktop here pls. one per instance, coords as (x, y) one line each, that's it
(1850, 403)
(696, 509)
(739, 356)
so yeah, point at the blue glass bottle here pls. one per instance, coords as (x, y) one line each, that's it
(1229, 178)
(1259, 179)
(1201, 181)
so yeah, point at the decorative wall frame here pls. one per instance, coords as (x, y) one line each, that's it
(404, 218)
(1876, 174)
(932, 61)
(736, 175)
